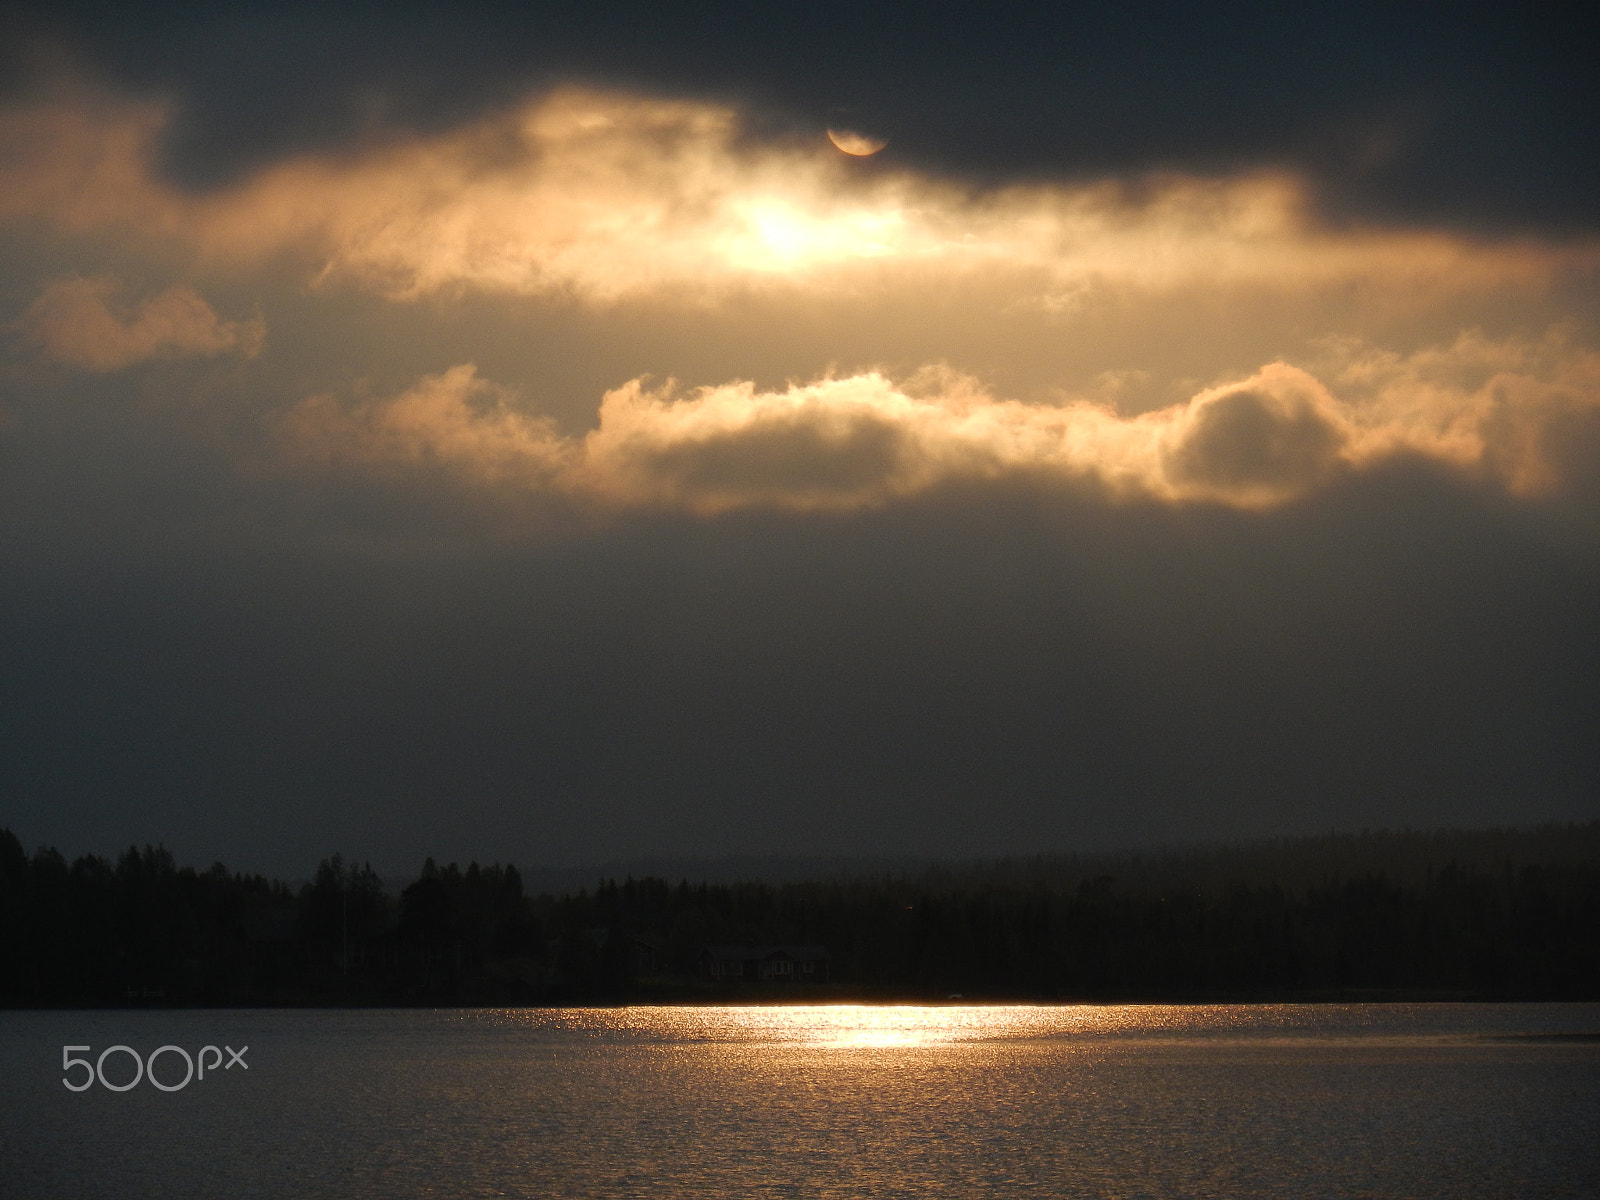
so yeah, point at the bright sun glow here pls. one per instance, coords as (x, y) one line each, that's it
(784, 236)
(604, 197)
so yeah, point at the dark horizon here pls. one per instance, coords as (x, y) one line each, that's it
(1447, 915)
(1402, 852)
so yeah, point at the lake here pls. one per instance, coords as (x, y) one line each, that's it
(1384, 1100)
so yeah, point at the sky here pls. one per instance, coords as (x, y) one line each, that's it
(524, 433)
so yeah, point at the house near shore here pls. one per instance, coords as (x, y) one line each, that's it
(765, 964)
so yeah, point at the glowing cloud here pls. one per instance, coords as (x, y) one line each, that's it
(74, 321)
(604, 197)
(608, 198)
(864, 440)
(455, 420)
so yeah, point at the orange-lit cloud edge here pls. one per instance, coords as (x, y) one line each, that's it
(607, 199)
(864, 440)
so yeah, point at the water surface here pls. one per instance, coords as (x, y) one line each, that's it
(1104, 1101)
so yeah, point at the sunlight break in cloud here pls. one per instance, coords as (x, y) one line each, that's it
(605, 196)
(863, 440)
(76, 321)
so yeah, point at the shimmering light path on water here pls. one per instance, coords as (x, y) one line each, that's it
(831, 1101)
(846, 1025)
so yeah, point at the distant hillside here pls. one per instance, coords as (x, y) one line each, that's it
(1401, 854)
(1404, 856)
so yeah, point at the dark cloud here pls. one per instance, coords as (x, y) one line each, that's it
(793, 458)
(1482, 114)
(972, 673)
(1249, 438)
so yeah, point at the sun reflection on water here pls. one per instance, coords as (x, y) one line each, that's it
(881, 1026)
(845, 1026)
(894, 1027)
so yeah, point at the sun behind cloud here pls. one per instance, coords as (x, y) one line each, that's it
(599, 201)
(607, 197)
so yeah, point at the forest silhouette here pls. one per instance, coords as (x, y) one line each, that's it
(1492, 914)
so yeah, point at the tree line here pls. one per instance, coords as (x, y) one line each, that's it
(1502, 914)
